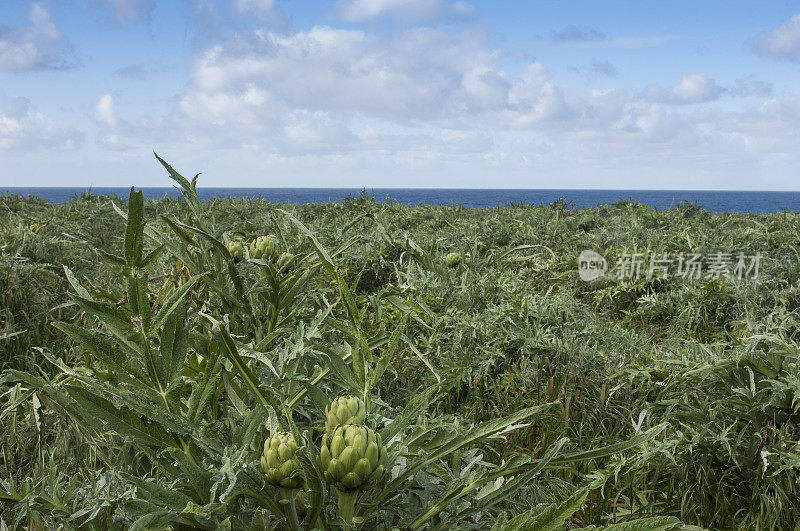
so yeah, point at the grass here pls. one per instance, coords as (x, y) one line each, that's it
(511, 327)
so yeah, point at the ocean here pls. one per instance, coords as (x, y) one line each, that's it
(715, 201)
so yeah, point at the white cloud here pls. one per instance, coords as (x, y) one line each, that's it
(693, 88)
(783, 42)
(21, 128)
(421, 74)
(341, 70)
(413, 10)
(419, 90)
(42, 25)
(104, 111)
(38, 45)
(425, 100)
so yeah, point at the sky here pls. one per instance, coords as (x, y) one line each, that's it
(401, 93)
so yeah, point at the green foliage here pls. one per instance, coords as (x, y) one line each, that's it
(506, 391)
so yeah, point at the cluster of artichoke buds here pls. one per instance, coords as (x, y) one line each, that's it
(352, 457)
(236, 249)
(344, 410)
(452, 259)
(264, 247)
(279, 461)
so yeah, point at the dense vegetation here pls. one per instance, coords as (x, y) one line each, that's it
(508, 391)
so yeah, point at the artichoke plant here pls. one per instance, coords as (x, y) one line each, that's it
(236, 249)
(344, 410)
(279, 461)
(452, 259)
(264, 247)
(352, 457)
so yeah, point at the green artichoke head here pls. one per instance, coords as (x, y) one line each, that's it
(344, 410)
(236, 249)
(285, 259)
(452, 259)
(279, 461)
(352, 457)
(264, 247)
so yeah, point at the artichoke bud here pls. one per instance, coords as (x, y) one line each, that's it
(344, 410)
(236, 249)
(285, 259)
(301, 503)
(279, 461)
(452, 259)
(264, 247)
(352, 457)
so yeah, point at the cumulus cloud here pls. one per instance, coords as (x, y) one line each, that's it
(104, 111)
(579, 33)
(38, 45)
(423, 98)
(125, 12)
(782, 42)
(693, 88)
(421, 74)
(333, 89)
(341, 70)
(410, 10)
(22, 128)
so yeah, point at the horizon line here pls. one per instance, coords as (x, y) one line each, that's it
(364, 188)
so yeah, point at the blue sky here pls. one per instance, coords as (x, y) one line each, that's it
(401, 93)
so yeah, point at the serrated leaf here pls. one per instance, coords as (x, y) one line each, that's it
(475, 434)
(122, 421)
(76, 285)
(115, 321)
(106, 353)
(134, 229)
(551, 519)
(655, 523)
(204, 390)
(229, 350)
(174, 300)
(199, 478)
(174, 342)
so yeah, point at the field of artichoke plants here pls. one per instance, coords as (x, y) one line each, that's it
(238, 364)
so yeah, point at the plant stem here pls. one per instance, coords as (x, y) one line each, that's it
(289, 509)
(346, 506)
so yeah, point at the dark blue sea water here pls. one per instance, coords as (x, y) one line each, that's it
(716, 201)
